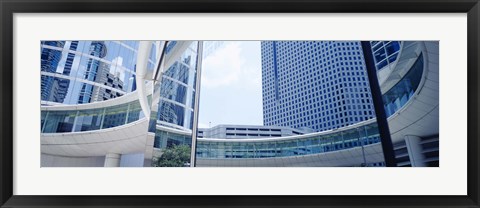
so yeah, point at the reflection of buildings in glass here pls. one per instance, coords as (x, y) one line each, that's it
(97, 49)
(170, 113)
(316, 84)
(108, 79)
(63, 84)
(177, 89)
(74, 72)
(49, 63)
(132, 80)
(95, 69)
(166, 139)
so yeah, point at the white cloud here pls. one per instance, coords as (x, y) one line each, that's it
(223, 67)
(227, 67)
(231, 85)
(251, 78)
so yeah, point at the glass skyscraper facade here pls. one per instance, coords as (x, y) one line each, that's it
(177, 90)
(79, 72)
(315, 84)
(49, 63)
(173, 104)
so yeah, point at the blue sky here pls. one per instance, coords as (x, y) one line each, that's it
(231, 87)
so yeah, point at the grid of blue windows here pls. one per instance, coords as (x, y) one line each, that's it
(316, 84)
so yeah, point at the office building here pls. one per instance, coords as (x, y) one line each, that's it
(315, 84)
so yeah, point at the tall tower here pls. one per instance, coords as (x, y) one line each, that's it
(314, 84)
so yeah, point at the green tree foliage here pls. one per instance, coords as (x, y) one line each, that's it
(175, 156)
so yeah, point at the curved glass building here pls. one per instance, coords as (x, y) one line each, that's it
(93, 90)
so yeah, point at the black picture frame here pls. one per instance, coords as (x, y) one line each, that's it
(10, 7)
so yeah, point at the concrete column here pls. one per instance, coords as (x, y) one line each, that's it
(112, 160)
(414, 148)
(150, 140)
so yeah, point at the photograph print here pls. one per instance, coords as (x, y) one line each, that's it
(292, 103)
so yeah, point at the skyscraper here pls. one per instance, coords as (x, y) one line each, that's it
(316, 84)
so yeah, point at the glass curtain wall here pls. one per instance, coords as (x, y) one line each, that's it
(81, 71)
(172, 107)
(90, 119)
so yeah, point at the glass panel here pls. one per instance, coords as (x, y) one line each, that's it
(377, 46)
(43, 116)
(88, 120)
(171, 113)
(173, 91)
(135, 112)
(59, 121)
(50, 58)
(392, 47)
(392, 58)
(400, 94)
(379, 55)
(107, 63)
(115, 116)
(382, 64)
